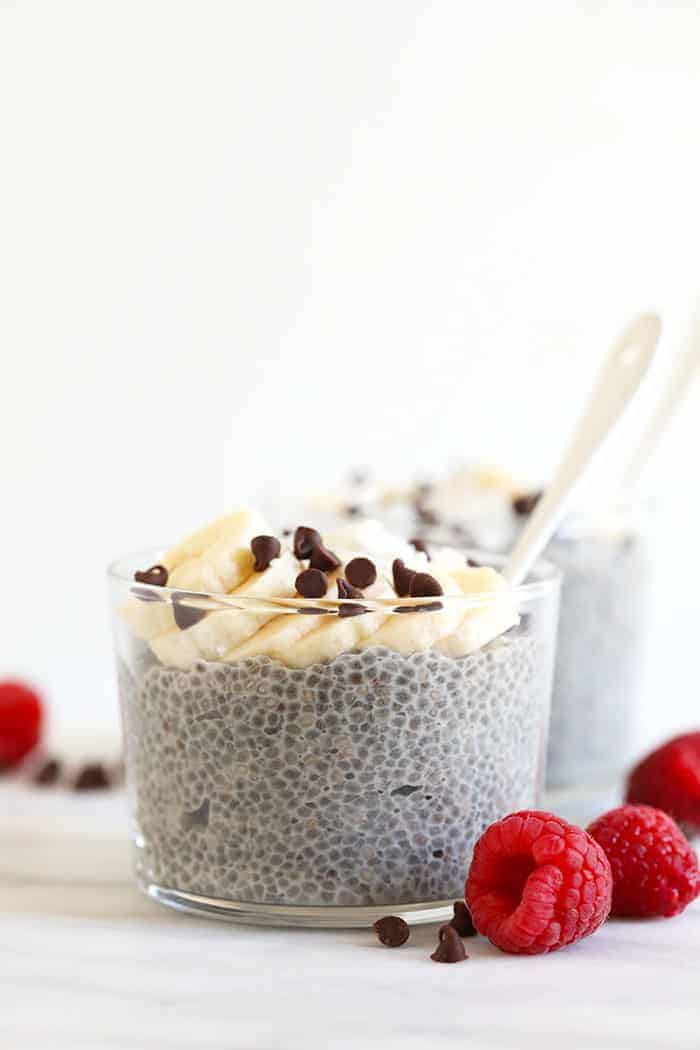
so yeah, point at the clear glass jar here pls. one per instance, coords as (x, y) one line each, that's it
(605, 598)
(332, 793)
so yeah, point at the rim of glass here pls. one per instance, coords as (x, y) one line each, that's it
(547, 578)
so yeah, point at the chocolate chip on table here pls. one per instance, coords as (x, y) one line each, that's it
(361, 572)
(353, 511)
(450, 948)
(265, 549)
(423, 585)
(323, 559)
(420, 545)
(462, 920)
(186, 615)
(473, 564)
(48, 773)
(305, 539)
(157, 576)
(392, 931)
(402, 578)
(92, 777)
(526, 503)
(311, 583)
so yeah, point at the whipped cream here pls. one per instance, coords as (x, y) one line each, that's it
(218, 560)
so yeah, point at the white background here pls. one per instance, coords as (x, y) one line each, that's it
(245, 246)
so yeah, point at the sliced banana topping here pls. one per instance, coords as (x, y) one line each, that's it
(219, 560)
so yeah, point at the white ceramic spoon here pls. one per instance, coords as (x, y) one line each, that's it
(682, 376)
(617, 384)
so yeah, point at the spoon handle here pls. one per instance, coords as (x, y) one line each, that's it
(682, 377)
(617, 384)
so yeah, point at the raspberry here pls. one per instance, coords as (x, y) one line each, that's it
(655, 872)
(20, 722)
(537, 883)
(669, 778)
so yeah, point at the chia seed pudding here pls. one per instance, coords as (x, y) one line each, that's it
(604, 603)
(333, 759)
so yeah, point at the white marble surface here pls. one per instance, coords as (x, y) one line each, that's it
(87, 963)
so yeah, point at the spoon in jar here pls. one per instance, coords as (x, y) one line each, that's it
(682, 377)
(617, 384)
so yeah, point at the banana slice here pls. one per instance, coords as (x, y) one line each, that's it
(482, 623)
(214, 559)
(212, 637)
(338, 634)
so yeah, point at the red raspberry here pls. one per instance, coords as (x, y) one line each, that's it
(655, 872)
(537, 883)
(669, 778)
(20, 722)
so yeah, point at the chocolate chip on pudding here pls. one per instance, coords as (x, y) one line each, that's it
(311, 583)
(186, 615)
(402, 578)
(421, 546)
(305, 539)
(157, 576)
(423, 585)
(346, 590)
(361, 572)
(265, 549)
(525, 503)
(323, 559)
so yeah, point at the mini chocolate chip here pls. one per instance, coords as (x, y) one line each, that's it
(421, 546)
(526, 503)
(311, 583)
(48, 773)
(265, 549)
(423, 585)
(353, 511)
(323, 559)
(345, 590)
(186, 615)
(425, 514)
(402, 578)
(392, 931)
(427, 608)
(361, 572)
(438, 854)
(462, 920)
(351, 610)
(146, 596)
(157, 576)
(450, 948)
(92, 777)
(473, 564)
(305, 539)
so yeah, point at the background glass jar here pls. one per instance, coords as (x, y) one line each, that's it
(327, 793)
(605, 601)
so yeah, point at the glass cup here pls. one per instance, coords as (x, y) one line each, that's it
(600, 650)
(327, 794)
